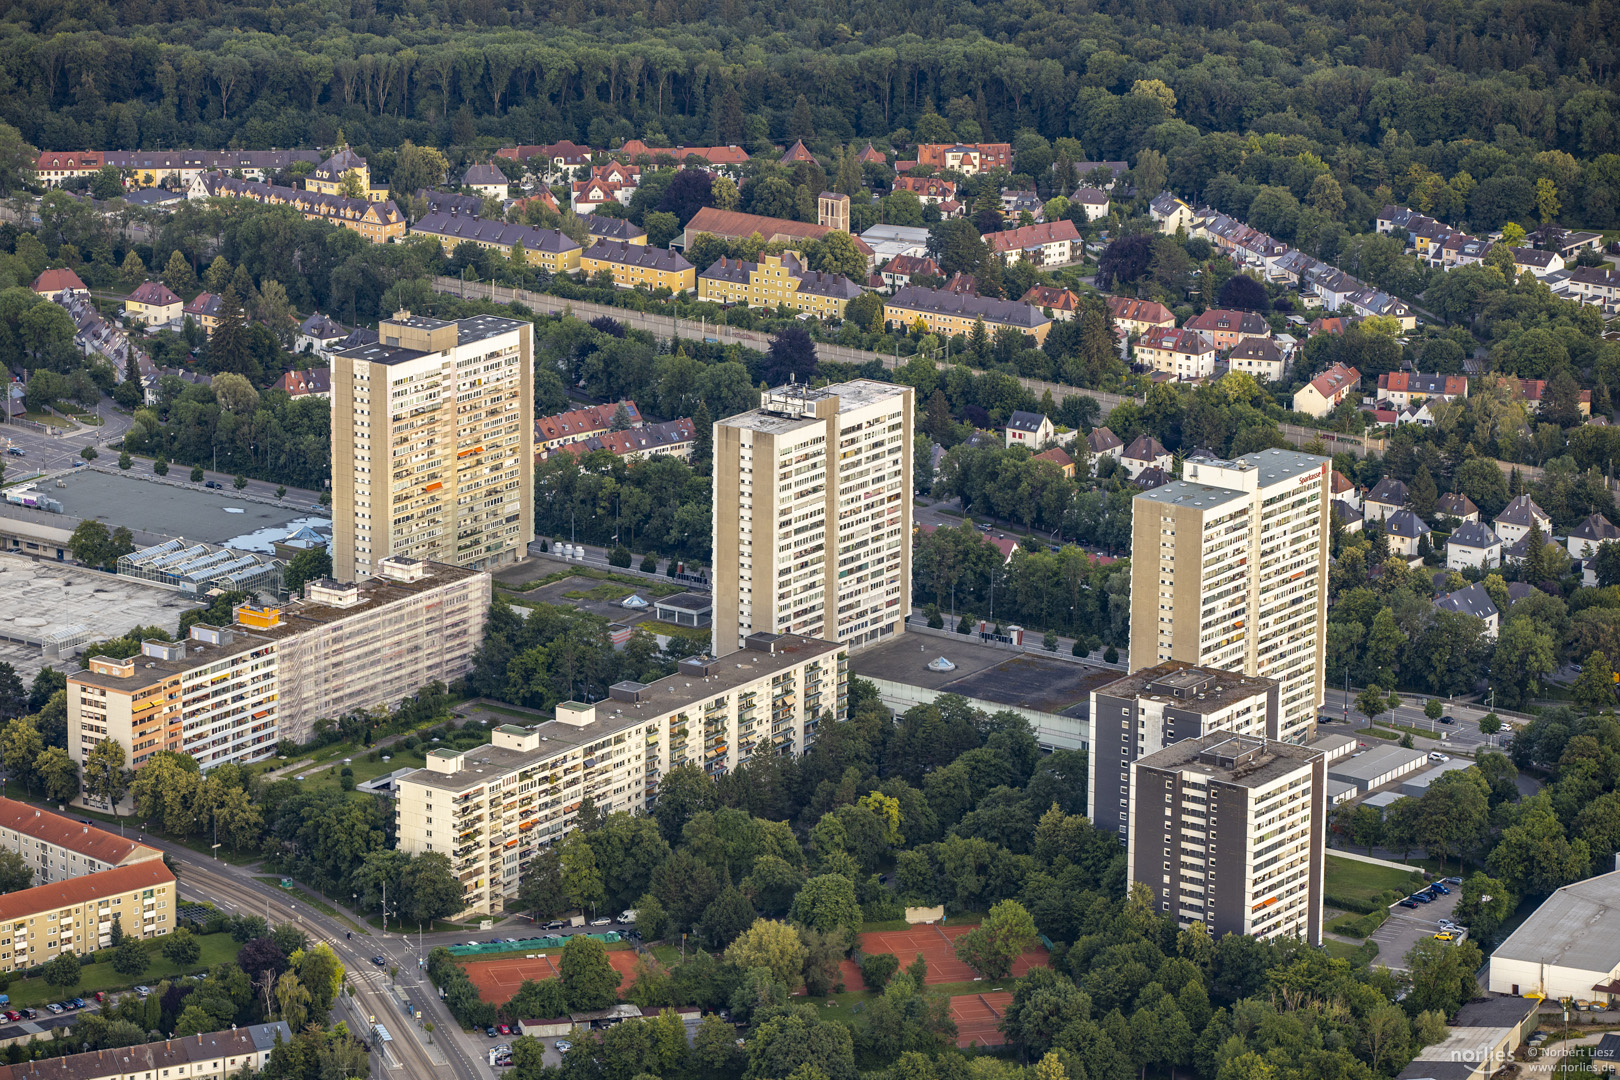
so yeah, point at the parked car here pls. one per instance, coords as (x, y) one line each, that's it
(1423, 898)
(78, 1003)
(13, 1016)
(555, 924)
(563, 1046)
(212, 484)
(29, 1014)
(1408, 903)
(603, 921)
(143, 990)
(54, 1007)
(490, 1032)
(504, 1030)
(1452, 880)
(1445, 935)
(1438, 756)
(1439, 888)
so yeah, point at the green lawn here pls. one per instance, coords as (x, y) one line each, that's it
(48, 419)
(1362, 881)
(216, 949)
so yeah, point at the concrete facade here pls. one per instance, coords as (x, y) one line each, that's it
(812, 523)
(433, 444)
(493, 807)
(1225, 830)
(1229, 571)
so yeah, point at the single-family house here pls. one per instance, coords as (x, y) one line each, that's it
(1403, 388)
(1538, 263)
(315, 382)
(1061, 303)
(1350, 518)
(1473, 543)
(1475, 601)
(1583, 540)
(204, 310)
(319, 334)
(899, 271)
(1453, 505)
(1093, 201)
(1223, 328)
(1145, 452)
(1516, 518)
(1405, 531)
(1323, 394)
(487, 180)
(153, 303)
(1170, 213)
(930, 190)
(1342, 489)
(1133, 316)
(56, 281)
(1059, 457)
(1031, 429)
(1386, 497)
(1103, 443)
(1259, 357)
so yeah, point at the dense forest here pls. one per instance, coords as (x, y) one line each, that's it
(1374, 89)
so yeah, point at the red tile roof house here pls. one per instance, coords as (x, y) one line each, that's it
(1224, 329)
(1061, 303)
(316, 382)
(553, 432)
(1051, 243)
(57, 282)
(902, 268)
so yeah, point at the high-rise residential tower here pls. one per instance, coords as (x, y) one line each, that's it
(433, 444)
(812, 515)
(1225, 829)
(1229, 571)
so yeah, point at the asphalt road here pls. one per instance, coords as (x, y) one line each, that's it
(1463, 734)
(51, 453)
(233, 889)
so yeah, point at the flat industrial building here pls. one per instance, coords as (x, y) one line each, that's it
(1052, 693)
(1568, 947)
(1377, 767)
(166, 510)
(43, 599)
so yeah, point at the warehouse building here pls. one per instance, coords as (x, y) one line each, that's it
(1377, 767)
(1569, 947)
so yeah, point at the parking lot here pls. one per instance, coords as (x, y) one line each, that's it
(1405, 927)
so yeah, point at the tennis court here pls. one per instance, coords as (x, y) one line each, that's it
(976, 1017)
(498, 980)
(937, 945)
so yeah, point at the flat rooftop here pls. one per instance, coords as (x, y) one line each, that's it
(1375, 762)
(1273, 464)
(46, 597)
(1208, 689)
(1239, 760)
(163, 510)
(1576, 927)
(297, 616)
(1198, 496)
(612, 715)
(1025, 680)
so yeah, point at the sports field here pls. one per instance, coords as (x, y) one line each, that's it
(976, 1017)
(498, 980)
(937, 945)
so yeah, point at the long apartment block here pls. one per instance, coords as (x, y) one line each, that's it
(229, 693)
(221, 1054)
(1225, 830)
(493, 807)
(1229, 571)
(1147, 710)
(812, 522)
(77, 915)
(433, 444)
(58, 847)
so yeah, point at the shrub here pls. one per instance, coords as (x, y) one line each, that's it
(649, 563)
(619, 556)
(878, 968)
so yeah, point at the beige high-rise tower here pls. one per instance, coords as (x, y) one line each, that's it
(1229, 571)
(433, 444)
(812, 515)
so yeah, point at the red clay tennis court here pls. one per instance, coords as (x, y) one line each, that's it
(976, 1017)
(498, 980)
(937, 945)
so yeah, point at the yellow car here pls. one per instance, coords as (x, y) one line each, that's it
(1445, 935)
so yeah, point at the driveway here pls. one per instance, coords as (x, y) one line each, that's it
(1405, 927)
